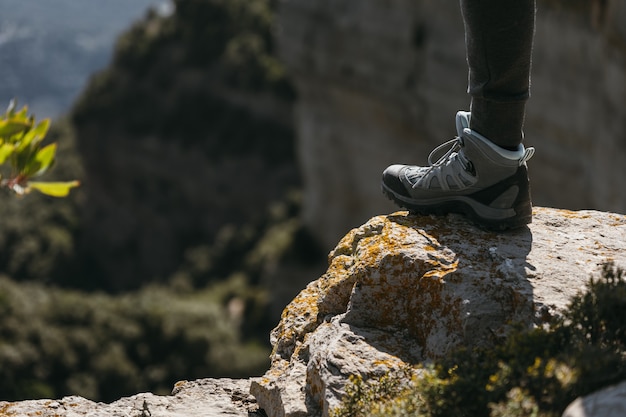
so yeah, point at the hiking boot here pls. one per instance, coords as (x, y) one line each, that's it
(475, 177)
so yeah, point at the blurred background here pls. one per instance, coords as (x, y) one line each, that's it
(224, 146)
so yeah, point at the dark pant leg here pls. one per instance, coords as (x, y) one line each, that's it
(499, 37)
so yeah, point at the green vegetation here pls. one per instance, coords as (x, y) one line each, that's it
(171, 76)
(38, 233)
(185, 136)
(533, 373)
(147, 204)
(211, 320)
(21, 141)
(155, 270)
(58, 342)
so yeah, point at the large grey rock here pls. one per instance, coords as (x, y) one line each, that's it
(608, 402)
(379, 82)
(201, 398)
(403, 289)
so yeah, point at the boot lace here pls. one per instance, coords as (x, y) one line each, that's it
(452, 162)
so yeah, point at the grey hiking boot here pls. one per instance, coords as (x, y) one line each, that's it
(474, 177)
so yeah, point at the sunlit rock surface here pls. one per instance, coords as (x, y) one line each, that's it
(201, 398)
(404, 289)
(608, 402)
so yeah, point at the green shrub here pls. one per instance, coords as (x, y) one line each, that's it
(169, 81)
(57, 342)
(37, 241)
(534, 373)
(187, 133)
(24, 155)
(167, 72)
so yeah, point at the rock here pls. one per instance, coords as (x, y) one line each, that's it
(403, 289)
(379, 82)
(608, 402)
(201, 398)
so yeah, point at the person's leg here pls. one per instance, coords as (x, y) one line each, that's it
(483, 174)
(499, 38)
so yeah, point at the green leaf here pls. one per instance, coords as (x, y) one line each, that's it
(36, 134)
(6, 149)
(22, 160)
(11, 127)
(22, 114)
(42, 161)
(54, 189)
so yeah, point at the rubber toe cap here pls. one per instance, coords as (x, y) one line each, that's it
(391, 179)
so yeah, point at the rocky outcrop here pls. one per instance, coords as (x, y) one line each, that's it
(201, 398)
(609, 402)
(379, 82)
(399, 290)
(403, 289)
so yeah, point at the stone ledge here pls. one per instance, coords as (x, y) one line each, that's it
(200, 398)
(404, 289)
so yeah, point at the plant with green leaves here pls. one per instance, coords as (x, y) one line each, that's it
(23, 155)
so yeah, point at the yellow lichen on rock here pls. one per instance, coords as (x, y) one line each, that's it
(403, 288)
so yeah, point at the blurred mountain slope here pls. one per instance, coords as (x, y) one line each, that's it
(188, 129)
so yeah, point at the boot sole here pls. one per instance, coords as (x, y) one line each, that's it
(476, 207)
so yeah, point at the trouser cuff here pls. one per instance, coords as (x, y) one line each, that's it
(500, 122)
